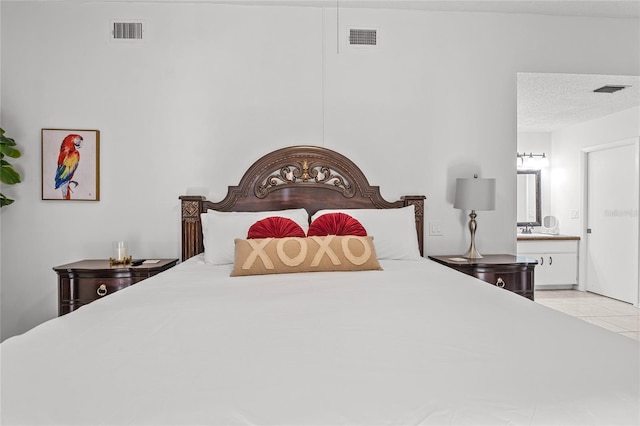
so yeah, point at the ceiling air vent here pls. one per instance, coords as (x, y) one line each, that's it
(609, 88)
(360, 37)
(127, 31)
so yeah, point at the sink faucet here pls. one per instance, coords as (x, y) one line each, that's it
(527, 228)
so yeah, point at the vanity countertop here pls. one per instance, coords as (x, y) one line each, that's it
(545, 237)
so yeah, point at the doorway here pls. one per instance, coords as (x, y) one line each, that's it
(612, 200)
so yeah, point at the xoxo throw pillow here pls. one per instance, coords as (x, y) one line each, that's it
(311, 254)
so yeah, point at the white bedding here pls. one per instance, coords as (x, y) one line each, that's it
(417, 343)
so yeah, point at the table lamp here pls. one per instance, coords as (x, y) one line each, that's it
(474, 194)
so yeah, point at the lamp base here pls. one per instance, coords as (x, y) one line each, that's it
(472, 253)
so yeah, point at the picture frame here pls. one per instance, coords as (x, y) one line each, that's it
(70, 165)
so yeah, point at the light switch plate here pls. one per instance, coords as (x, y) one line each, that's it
(435, 228)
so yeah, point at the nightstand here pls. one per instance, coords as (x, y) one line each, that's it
(80, 283)
(513, 273)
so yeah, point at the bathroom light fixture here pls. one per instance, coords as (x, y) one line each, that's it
(474, 194)
(531, 160)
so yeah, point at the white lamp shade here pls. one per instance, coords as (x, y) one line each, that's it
(475, 194)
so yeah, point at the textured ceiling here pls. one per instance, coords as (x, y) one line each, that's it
(547, 102)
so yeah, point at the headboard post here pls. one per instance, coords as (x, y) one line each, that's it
(418, 202)
(191, 226)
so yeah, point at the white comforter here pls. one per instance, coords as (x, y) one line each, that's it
(417, 343)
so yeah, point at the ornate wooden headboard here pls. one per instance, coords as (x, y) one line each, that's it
(311, 177)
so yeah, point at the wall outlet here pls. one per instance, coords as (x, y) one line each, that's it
(575, 214)
(435, 228)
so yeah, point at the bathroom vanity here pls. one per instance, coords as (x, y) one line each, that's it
(557, 257)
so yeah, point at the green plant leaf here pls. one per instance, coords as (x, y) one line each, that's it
(8, 175)
(4, 201)
(9, 151)
(7, 141)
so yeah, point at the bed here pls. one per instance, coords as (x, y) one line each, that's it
(409, 343)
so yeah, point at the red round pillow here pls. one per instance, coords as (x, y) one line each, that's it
(336, 224)
(275, 227)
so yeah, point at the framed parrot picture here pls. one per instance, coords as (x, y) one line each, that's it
(70, 165)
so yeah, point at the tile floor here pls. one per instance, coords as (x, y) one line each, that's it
(619, 317)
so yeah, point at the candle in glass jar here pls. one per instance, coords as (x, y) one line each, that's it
(120, 250)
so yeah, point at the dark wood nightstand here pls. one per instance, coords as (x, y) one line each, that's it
(80, 283)
(513, 273)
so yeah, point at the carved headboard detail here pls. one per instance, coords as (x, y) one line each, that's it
(311, 177)
(304, 172)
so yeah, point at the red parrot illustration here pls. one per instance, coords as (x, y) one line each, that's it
(68, 160)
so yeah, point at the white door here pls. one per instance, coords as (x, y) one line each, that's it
(612, 222)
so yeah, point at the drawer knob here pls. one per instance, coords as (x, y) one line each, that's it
(102, 290)
(500, 283)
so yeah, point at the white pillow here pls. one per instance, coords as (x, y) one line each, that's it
(220, 229)
(393, 230)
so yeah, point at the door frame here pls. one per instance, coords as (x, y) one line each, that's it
(584, 220)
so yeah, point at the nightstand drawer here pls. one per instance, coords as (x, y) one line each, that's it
(506, 271)
(509, 280)
(82, 282)
(90, 289)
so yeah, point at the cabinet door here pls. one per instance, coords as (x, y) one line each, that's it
(555, 268)
(563, 267)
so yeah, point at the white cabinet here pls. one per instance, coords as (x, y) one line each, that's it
(557, 261)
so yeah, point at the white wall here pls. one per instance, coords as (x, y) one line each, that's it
(566, 173)
(213, 87)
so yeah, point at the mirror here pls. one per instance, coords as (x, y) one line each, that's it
(528, 195)
(550, 225)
